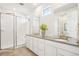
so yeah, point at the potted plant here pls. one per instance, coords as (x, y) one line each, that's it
(43, 29)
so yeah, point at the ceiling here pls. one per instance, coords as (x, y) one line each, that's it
(27, 8)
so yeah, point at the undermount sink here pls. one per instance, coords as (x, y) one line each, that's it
(51, 38)
(60, 40)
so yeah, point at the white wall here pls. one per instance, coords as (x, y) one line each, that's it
(49, 20)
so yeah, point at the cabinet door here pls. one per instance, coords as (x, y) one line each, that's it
(29, 42)
(41, 46)
(50, 50)
(35, 45)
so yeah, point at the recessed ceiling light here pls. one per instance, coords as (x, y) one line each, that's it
(13, 9)
(34, 4)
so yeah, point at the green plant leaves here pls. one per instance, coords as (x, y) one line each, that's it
(43, 27)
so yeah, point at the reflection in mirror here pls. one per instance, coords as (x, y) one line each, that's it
(35, 26)
(62, 26)
(65, 26)
(68, 25)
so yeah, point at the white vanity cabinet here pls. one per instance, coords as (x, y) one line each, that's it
(60, 49)
(29, 42)
(44, 47)
(41, 47)
(50, 49)
(67, 50)
(35, 45)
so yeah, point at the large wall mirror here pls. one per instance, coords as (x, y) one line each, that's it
(62, 25)
(35, 26)
(68, 24)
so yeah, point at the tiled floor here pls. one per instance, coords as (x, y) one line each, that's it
(17, 52)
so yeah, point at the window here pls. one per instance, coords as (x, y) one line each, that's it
(46, 11)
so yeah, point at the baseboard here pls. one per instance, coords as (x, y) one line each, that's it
(18, 46)
(21, 45)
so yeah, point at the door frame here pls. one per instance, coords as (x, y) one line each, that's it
(0, 31)
(14, 29)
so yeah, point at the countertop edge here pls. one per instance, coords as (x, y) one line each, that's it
(76, 45)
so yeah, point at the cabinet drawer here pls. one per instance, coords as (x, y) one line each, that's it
(65, 53)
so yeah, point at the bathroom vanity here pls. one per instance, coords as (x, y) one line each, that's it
(66, 27)
(51, 46)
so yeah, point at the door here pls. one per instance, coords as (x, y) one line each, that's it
(6, 31)
(21, 31)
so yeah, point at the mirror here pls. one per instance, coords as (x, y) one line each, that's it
(68, 24)
(35, 26)
(62, 26)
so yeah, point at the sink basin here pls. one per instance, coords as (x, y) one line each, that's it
(61, 40)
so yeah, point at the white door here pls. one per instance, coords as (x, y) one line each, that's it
(6, 31)
(21, 30)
